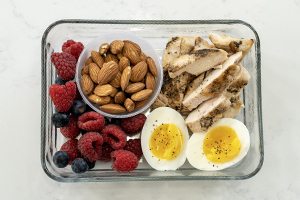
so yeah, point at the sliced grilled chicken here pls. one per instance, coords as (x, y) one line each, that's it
(194, 84)
(235, 105)
(231, 45)
(174, 89)
(202, 44)
(207, 113)
(215, 83)
(187, 44)
(160, 101)
(197, 62)
(240, 81)
(172, 51)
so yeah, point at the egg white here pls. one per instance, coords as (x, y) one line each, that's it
(197, 158)
(159, 116)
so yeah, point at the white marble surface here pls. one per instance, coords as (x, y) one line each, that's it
(22, 26)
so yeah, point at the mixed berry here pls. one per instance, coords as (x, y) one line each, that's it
(91, 136)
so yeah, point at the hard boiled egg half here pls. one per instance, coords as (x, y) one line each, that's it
(164, 139)
(224, 144)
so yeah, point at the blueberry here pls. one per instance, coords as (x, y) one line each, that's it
(116, 121)
(60, 119)
(90, 164)
(79, 165)
(61, 159)
(59, 81)
(78, 108)
(106, 121)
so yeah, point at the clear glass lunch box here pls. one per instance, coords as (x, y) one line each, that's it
(157, 33)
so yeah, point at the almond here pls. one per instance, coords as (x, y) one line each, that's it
(112, 108)
(139, 71)
(120, 97)
(136, 46)
(114, 92)
(131, 53)
(143, 56)
(116, 46)
(124, 62)
(129, 105)
(85, 70)
(125, 78)
(139, 104)
(89, 61)
(103, 48)
(116, 82)
(87, 85)
(141, 95)
(97, 58)
(151, 66)
(111, 57)
(108, 72)
(99, 100)
(103, 90)
(135, 87)
(94, 71)
(120, 55)
(150, 81)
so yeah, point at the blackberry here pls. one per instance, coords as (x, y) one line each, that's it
(89, 163)
(116, 121)
(78, 108)
(106, 121)
(61, 159)
(60, 119)
(79, 165)
(59, 81)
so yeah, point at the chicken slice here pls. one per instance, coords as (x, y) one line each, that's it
(215, 83)
(235, 105)
(207, 113)
(240, 81)
(187, 44)
(231, 45)
(195, 84)
(197, 62)
(172, 51)
(160, 101)
(202, 44)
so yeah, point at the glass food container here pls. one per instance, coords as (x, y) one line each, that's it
(157, 34)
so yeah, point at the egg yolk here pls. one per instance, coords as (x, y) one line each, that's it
(221, 144)
(166, 142)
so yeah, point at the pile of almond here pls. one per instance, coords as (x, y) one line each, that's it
(119, 78)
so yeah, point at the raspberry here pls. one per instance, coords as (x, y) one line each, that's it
(63, 95)
(65, 65)
(70, 147)
(90, 145)
(133, 125)
(114, 136)
(106, 151)
(72, 47)
(72, 130)
(91, 121)
(134, 146)
(124, 161)
(67, 44)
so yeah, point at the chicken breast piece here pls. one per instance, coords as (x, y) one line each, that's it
(240, 81)
(174, 89)
(215, 83)
(231, 45)
(207, 113)
(202, 44)
(235, 105)
(194, 84)
(172, 51)
(197, 62)
(187, 44)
